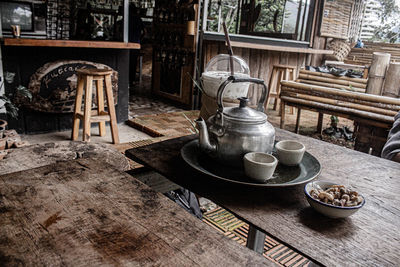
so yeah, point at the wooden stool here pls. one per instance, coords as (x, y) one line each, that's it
(85, 80)
(279, 73)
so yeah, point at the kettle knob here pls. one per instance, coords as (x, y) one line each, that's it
(243, 102)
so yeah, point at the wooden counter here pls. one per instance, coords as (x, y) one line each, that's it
(69, 43)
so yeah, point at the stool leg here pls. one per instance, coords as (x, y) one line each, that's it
(78, 108)
(282, 114)
(270, 85)
(296, 130)
(100, 106)
(278, 89)
(111, 110)
(287, 73)
(88, 108)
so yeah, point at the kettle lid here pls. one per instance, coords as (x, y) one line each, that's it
(244, 114)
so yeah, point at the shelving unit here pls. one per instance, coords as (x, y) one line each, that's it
(174, 46)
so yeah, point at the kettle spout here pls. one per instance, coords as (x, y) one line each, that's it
(204, 141)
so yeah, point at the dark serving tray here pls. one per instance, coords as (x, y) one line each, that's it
(284, 176)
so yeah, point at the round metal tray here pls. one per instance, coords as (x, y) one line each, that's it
(284, 176)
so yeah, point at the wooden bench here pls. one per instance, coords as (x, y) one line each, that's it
(327, 80)
(344, 97)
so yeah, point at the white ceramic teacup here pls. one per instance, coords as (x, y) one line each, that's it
(290, 152)
(259, 166)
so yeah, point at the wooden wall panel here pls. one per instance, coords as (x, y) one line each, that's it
(260, 61)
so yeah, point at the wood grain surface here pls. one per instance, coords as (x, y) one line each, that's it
(87, 213)
(69, 43)
(38, 155)
(370, 237)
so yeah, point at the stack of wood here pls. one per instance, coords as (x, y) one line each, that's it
(363, 56)
(10, 139)
(332, 81)
(374, 110)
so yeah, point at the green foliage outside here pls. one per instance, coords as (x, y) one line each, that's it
(389, 29)
(270, 9)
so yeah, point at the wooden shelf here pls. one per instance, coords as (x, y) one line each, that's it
(69, 43)
(281, 48)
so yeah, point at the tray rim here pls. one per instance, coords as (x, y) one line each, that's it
(265, 185)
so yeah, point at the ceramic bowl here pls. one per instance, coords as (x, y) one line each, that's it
(328, 209)
(259, 166)
(290, 152)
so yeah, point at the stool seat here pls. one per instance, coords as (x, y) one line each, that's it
(100, 116)
(94, 72)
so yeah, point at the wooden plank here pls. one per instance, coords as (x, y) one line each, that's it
(281, 48)
(285, 214)
(69, 43)
(336, 102)
(331, 76)
(338, 92)
(326, 95)
(341, 109)
(85, 212)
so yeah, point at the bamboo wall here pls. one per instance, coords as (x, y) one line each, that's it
(260, 61)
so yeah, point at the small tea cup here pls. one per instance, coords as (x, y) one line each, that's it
(290, 152)
(259, 166)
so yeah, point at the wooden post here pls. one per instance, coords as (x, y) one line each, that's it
(380, 62)
(255, 240)
(392, 81)
(320, 122)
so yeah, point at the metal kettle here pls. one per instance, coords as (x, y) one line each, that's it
(234, 131)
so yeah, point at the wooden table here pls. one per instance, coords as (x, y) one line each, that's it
(87, 213)
(371, 237)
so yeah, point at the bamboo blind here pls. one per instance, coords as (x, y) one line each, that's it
(336, 18)
(356, 19)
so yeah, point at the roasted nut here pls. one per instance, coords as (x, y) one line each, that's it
(336, 202)
(346, 197)
(324, 195)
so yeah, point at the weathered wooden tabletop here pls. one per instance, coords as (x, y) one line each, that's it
(33, 156)
(86, 213)
(370, 237)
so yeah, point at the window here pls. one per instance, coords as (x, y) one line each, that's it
(286, 19)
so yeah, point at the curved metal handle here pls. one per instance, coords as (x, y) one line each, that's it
(233, 79)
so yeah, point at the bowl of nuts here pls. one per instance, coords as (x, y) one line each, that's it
(333, 200)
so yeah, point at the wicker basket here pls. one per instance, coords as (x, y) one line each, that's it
(340, 50)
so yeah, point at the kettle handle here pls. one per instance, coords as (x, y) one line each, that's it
(233, 79)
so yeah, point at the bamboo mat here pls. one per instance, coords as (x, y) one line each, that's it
(233, 228)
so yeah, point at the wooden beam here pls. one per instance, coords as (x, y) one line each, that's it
(281, 48)
(69, 43)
